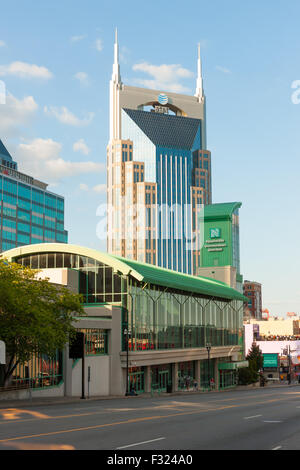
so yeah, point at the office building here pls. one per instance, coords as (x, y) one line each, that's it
(158, 173)
(148, 321)
(29, 212)
(252, 290)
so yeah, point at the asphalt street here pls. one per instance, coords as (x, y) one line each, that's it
(258, 419)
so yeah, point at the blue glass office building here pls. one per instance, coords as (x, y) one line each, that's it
(29, 212)
(166, 144)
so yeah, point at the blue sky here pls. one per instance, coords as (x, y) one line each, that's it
(56, 61)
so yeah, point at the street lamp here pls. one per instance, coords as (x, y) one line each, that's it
(208, 347)
(126, 335)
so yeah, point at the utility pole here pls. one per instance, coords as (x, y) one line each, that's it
(289, 358)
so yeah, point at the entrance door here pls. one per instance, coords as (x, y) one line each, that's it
(163, 380)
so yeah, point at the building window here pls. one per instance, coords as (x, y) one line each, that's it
(96, 342)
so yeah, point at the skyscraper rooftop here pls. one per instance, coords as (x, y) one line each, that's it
(166, 130)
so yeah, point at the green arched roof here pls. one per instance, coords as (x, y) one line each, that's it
(140, 271)
(220, 211)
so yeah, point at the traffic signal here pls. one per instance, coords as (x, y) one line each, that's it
(76, 349)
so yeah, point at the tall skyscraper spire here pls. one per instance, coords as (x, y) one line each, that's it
(199, 89)
(116, 76)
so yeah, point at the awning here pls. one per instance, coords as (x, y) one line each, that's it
(233, 365)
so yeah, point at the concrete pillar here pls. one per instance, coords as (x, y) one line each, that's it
(147, 378)
(117, 382)
(175, 377)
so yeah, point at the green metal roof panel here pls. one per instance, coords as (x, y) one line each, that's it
(168, 278)
(141, 271)
(220, 211)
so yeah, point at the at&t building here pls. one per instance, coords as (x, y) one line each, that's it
(158, 173)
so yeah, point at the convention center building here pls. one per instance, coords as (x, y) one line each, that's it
(146, 328)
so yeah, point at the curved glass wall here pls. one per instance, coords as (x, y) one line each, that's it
(97, 282)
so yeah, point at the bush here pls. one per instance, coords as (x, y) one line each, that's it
(247, 376)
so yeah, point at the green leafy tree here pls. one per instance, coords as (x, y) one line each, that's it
(36, 317)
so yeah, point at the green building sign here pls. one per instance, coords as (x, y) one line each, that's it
(221, 235)
(215, 232)
(270, 360)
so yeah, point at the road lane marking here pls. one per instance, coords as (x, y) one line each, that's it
(13, 413)
(140, 443)
(272, 421)
(276, 448)
(136, 420)
(250, 417)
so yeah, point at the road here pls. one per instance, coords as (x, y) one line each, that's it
(258, 419)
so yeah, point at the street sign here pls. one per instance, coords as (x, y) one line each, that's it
(2, 353)
(270, 360)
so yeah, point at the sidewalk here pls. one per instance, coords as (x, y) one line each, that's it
(45, 401)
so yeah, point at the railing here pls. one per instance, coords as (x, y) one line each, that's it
(16, 387)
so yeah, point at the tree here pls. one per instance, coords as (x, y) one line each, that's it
(250, 374)
(255, 358)
(36, 317)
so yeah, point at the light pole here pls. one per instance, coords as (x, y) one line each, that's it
(289, 356)
(208, 347)
(126, 335)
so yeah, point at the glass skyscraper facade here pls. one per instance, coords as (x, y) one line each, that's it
(158, 174)
(29, 212)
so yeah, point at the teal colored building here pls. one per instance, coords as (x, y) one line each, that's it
(29, 212)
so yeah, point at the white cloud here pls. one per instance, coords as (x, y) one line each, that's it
(2, 43)
(100, 188)
(24, 70)
(16, 113)
(80, 146)
(65, 116)
(124, 53)
(41, 158)
(223, 69)
(77, 38)
(99, 45)
(82, 77)
(164, 77)
(83, 187)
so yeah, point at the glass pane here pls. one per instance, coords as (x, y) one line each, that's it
(108, 280)
(43, 261)
(99, 281)
(67, 260)
(34, 262)
(59, 260)
(51, 260)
